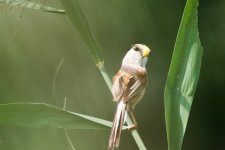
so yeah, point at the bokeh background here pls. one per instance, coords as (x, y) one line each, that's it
(33, 43)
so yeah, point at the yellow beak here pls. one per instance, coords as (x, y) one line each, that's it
(146, 52)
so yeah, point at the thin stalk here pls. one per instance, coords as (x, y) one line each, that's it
(65, 130)
(58, 68)
(134, 132)
(69, 140)
(106, 77)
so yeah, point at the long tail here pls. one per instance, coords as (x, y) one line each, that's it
(118, 122)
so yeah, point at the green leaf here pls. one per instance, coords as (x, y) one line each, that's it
(79, 21)
(32, 5)
(183, 76)
(44, 115)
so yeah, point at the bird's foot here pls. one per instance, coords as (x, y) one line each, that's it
(132, 127)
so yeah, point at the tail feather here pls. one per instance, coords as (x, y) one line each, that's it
(117, 125)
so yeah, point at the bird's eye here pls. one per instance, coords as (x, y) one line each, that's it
(137, 48)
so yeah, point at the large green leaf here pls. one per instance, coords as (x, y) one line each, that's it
(183, 76)
(79, 21)
(32, 5)
(44, 115)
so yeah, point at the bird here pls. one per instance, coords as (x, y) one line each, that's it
(128, 89)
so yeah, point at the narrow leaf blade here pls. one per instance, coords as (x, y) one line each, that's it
(183, 76)
(79, 21)
(32, 5)
(44, 115)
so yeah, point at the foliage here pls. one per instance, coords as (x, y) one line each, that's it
(44, 115)
(32, 5)
(179, 91)
(183, 76)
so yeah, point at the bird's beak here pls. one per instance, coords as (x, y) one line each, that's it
(146, 52)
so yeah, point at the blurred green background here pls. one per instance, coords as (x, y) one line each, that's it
(32, 44)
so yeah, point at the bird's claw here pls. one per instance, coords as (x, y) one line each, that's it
(132, 127)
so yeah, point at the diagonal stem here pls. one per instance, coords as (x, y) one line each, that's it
(135, 134)
(66, 132)
(105, 75)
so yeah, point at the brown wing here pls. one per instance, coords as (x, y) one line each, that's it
(118, 86)
(127, 87)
